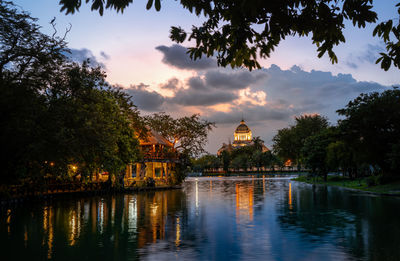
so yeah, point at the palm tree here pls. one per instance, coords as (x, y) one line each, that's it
(257, 143)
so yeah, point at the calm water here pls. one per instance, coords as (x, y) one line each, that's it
(209, 219)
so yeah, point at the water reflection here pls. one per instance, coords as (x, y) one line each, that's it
(216, 218)
(290, 196)
(244, 201)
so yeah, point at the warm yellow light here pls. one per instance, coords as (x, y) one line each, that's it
(178, 232)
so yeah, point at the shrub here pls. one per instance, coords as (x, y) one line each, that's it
(370, 181)
(336, 178)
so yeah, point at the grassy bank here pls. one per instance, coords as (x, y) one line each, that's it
(392, 188)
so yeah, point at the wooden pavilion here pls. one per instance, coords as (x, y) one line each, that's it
(159, 158)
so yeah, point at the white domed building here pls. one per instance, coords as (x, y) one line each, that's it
(242, 137)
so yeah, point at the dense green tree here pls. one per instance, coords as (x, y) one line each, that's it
(55, 113)
(285, 145)
(239, 31)
(288, 142)
(90, 123)
(225, 158)
(240, 161)
(307, 125)
(188, 134)
(371, 127)
(206, 162)
(315, 152)
(278, 161)
(257, 143)
(393, 157)
(256, 159)
(341, 157)
(27, 56)
(267, 159)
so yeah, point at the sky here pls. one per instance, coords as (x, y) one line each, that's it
(135, 51)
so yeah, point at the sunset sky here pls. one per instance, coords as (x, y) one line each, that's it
(135, 50)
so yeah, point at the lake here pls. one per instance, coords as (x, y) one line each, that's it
(208, 219)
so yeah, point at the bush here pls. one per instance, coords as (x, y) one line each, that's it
(376, 180)
(370, 181)
(335, 178)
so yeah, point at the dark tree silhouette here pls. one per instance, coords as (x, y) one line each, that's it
(240, 31)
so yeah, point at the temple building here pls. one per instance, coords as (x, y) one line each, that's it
(242, 137)
(159, 158)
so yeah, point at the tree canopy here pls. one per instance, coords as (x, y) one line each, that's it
(314, 151)
(364, 142)
(372, 128)
(54, 112)
(188, 133)
(239, 32)
(62, 119)
(288, 142)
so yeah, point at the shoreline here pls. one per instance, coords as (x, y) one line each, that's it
(71, 194)
(366, 190)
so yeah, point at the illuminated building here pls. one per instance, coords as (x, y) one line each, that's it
(242, 137)
(159, 158)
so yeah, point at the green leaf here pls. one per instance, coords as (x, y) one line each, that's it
(149, 4)
(157, 5)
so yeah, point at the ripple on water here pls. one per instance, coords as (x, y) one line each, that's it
(209, 219)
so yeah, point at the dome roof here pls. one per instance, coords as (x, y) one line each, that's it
(242, 128)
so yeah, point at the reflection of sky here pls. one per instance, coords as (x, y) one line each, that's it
(233, 238)
(210, 219)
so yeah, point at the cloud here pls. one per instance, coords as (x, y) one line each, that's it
(144, 98)
(251, 113)
(369, 55)
(314, 91)
(269, 98)
(81, 55)
(235, 80)
(104, 55)
(177, 56)
(372, 53)
(198, 93)
(270, 93)
(172, 84)
(212, 88)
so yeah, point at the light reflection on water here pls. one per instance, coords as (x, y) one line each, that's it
(210, 218)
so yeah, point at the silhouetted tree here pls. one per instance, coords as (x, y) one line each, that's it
(225, 160)
(315, 152)
(239, 31)
(372, 128)
(188, 134)
(54, 112)
(288, 142)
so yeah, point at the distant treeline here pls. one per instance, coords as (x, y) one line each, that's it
(364, 143)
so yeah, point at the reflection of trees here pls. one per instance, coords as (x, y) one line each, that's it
(104, 228)
(201, 220)
(364, 226)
